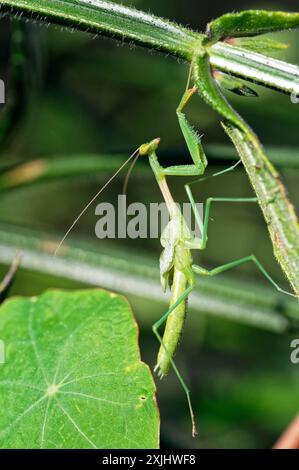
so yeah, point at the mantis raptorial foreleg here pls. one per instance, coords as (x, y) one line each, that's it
(193, 141)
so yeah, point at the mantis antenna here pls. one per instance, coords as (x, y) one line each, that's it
(125, 186)
(135, 155)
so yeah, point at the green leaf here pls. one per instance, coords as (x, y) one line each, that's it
(251, 23)
(260, 44)
(233, 84)
(73, 377)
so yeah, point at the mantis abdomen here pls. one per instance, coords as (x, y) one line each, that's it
(174, 325)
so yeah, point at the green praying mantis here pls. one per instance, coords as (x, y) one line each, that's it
(177, 269)
(176, 265)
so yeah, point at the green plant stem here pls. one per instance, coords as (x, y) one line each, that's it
(52, 169)
(278, 212)
(283, 157)
(136, 27)
(138, 276)
(255, 67)
(110, 19)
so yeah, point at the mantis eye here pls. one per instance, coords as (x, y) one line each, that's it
(150, 147)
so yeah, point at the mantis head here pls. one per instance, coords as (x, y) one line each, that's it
(150, 147)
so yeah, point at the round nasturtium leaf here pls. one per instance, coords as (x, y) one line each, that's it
(72, 375)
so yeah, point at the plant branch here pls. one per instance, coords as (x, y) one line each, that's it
(54, 168)
(138, 276)
(136, 27)
(109, 19)
(255, 67)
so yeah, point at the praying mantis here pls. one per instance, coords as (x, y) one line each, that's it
(176, 265)
(177, 269)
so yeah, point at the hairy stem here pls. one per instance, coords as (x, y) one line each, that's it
(136, 27)
(109, 19)
(278, 212)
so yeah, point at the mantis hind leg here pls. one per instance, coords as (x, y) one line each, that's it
(239, 262)
(201, 243)
(164, 345)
